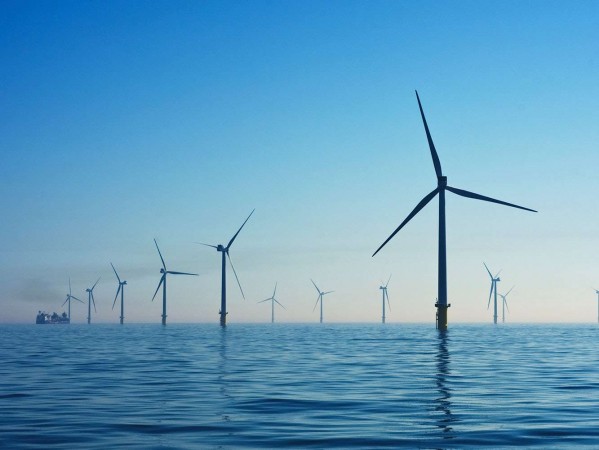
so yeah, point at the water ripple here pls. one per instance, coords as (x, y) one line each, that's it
(302, 386)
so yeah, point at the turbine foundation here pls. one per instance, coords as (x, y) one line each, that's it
(442, 316)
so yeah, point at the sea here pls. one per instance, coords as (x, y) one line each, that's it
(325, 386)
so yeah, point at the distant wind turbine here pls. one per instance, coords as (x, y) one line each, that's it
(504, 304)
(442, 186)
(164, 273)
(385, 296)
(90, 300)
(273, 300)
(68, 300)
(225, 254)
(120, 289)
(494, 280)
(319, 299)
(597, 292)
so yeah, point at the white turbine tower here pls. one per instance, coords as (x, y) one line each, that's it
(223, 285)
(90, 300)
(504, 304)
(319, 299)
(68, 300)
(494, 280)
(442, 186)
(162, 282)
(385, 296)
(273, 300)
(121, 290)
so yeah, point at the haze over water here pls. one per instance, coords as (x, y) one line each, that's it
(298, 385)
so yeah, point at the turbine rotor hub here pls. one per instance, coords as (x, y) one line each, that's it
(442, 181)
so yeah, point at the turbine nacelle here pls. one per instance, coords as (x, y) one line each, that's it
(162, 270)
(442, 181)
(220, 248)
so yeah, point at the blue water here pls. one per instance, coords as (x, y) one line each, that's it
(303, 386)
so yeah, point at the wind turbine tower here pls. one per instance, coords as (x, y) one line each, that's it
(120, 289)
(494, 280)
(68, 300)
(504, 304)
(90, 300)
(273, 300)
(164, 273)
(225, 255)
(385, 296)
(319, 299)
(442, 186)
(597, 292)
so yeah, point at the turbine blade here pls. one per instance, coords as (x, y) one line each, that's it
(65, 301)
(506, 305)
(69, 285)
(273, 294)
(279, 303)
(468, 194)
(498, 273)
(183, 273)
(94, 301)
(207, 245)
(488, 270)
(265, 300)
(317, 300)
(235, 273)
(388, 304)
(490, 293)
(317, 290)
(388, 282)
(95, 284)
(509, 291)
(327, 292)
(159, 284)
(72, 296)
(116, 296)
(431, 145)
(415, 211)
(242, 225)
(161, 258)
(117, 275)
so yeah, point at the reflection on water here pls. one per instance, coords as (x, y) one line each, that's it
(443, 401)
(298, 386)
(221, 374)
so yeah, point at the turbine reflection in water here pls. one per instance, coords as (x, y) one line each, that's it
(443, 401)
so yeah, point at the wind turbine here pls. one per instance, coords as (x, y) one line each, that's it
(494, 281)
(121, 289)
(90, 300)
(504, 304)
(273, 300)
(442, 186)
(164, 273)
(225, 254)
(319, 299)
(597, 292)
(68, 299)
(385, 296)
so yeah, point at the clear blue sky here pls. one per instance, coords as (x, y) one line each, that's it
(125, 121)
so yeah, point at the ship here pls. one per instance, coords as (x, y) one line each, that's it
(51, 319)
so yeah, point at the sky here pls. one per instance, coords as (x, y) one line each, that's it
(121, 122)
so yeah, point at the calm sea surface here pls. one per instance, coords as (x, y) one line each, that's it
(303, 386)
